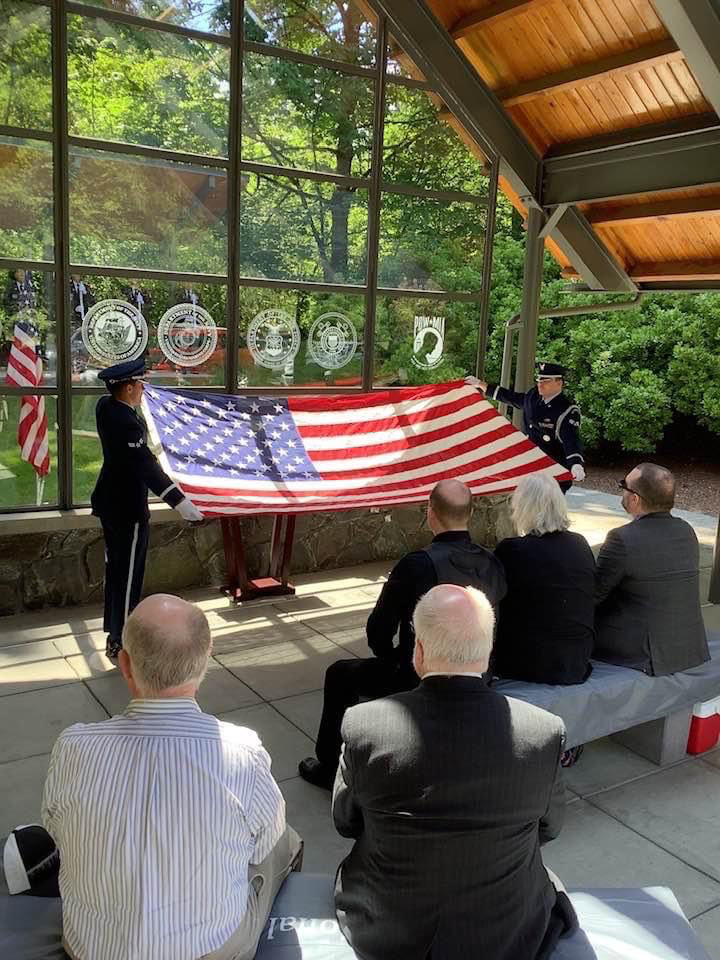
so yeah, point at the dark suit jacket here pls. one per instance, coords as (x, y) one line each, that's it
(448, 790)
(648, 594)
(545, 626)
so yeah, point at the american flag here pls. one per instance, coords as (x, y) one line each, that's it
(25, 370)
(252, 455)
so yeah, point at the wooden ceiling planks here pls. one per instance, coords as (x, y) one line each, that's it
(573, 70)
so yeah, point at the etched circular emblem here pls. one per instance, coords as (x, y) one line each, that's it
(187, 335)
(332, 341)
(113, 331)
(429, 342)
(273, 339)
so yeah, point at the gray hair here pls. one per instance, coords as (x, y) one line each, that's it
(538, 505)
(453, 631)
(168, 642)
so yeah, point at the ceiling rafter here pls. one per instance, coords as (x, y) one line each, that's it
(654, 210)
(492, 15)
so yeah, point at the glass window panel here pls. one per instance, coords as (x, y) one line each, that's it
(20, 484)
(424, 341)
(300, 116)
(26, 199)
(399, 63)
(431, 244)
(137, 212)
(87, 453)
(422, 149)
(295, 338)
(181, 331)
(28, 301)
(25, 65)
(302, 230)
(142, 86)
(325, 28)
(210, 16)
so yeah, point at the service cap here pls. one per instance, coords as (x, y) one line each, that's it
(122, 372)
(548, 371)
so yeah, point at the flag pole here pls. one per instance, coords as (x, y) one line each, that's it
(39, 488)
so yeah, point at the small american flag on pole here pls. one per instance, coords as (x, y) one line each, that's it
(253, 455)
(25, 370)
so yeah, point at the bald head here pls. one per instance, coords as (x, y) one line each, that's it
(167, 641)
(450, 506)
(453, 630)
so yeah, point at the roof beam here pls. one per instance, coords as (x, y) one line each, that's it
(492, 15)
(619, 64)
(695, 27)
(677, 270)
(481, 115)
(623, 138)
(654, 210)
(652, 166)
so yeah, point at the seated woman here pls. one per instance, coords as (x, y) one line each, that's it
(545, 621)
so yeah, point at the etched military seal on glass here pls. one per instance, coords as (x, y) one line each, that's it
(273, 339)
(332, 341)
(187, 334)
(114, 331)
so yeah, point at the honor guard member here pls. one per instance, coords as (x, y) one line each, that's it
(120, 497)
(138, 297)
(81, 297)
(20, 294)
(550, 419)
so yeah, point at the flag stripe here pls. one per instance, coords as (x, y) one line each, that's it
(25, 370)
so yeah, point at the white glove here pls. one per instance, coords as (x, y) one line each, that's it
(578, 472)
(475, 382)
(188, 511)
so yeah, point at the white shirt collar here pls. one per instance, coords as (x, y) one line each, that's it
(447, 673)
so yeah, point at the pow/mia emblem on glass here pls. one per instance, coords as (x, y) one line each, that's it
(113, 331)
(187, 335)
(429, 342)
(332, 341)
(273, 339)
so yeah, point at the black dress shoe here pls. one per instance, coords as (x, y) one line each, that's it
(112, 649)
(316, 773)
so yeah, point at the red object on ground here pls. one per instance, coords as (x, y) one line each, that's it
(705, 726)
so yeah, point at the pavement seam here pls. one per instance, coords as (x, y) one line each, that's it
(639, 833)
(31, 756)
(640, 776)
(703, 912)
(93, 695)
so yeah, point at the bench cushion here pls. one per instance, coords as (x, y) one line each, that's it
(615, 925)
(617, 698)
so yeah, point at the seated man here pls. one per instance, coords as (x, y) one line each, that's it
(170, 827)
(452, 557)
(647, 586)
(448, 791)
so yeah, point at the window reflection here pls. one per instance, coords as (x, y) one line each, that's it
(25, 65)
(27, 302)
(26, 199)
(210, 16)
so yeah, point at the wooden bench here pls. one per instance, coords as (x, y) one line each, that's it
(645, 923)
(649, 715)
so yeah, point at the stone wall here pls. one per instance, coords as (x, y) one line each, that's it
(65, 568)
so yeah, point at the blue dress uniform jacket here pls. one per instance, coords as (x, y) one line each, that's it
(554, 426)
(129, 467)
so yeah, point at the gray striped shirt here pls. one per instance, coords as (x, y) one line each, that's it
(157, 814)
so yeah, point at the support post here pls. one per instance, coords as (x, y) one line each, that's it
(714, 594)
(662, 741)
(240, 587)
(532, 284)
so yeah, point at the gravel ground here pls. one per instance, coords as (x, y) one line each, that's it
(698, 482)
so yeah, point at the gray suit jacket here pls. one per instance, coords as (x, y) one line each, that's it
(448, 790)
(647, 591)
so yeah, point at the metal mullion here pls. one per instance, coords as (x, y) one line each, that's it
(483, 320)
(427, 193)
(61, 225)
(15, 263)
(144, 273)
(294, 173)
(409, 293)
(46, 391)
(153, 153)
(284, 53)
(374, 200)
(308, 286)
(237, 16)
(411, 82)
(25, 133)
(107, 13)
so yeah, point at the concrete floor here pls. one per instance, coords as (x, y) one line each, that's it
(629, 823)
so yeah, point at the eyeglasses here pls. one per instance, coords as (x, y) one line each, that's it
(622, 485)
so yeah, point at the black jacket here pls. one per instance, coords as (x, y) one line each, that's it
(545, 627)
(648, 594)
(129, 467)
(553, 426)
(448, 791)
(413, 576)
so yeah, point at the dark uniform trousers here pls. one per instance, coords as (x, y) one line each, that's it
(125, 552)
(120, 500)
(552, 425)
(452, 557)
